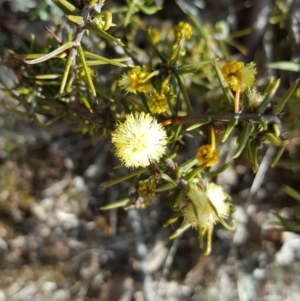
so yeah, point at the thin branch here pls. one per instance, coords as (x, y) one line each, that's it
(181, 182)
(241, 233)
(85, 13)
(252, 117)
(260, 175)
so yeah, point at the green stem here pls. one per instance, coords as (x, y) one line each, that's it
(194, 173)
(123, 178)
(50, 55)
(129, 13)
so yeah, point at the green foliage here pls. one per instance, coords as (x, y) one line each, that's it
(291, 222)
(179, 68)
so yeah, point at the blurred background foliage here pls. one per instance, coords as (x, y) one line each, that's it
(55, 154)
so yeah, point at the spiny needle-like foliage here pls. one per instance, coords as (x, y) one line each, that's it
(143, 104)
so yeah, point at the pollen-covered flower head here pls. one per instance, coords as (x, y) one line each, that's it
(139, 140)
(254, 98)
(183, 30)
(207, 155)
(199, 212)
(207, 206)
(133, 80)
(239, 76)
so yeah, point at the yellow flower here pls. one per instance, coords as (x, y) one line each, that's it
(155, 35)
(239, 76)
(208, 206)
(183, 30)
(206, 215)
(132, 81)
(207, 155)
(139, 140)
(158, 103)
(146, 188)
(81, 73)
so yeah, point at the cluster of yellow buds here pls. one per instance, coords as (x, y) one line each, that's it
(183, 30)
(137, 80)
(81, 73)
(207, 155)
(146, 188)
(158, 103)
(155, 35)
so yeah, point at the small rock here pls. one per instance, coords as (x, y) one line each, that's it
(68, 220)
(4, 194)
(61, 295)
(45, 231)
(2, 296)
(49, 287)
(18, 242)
(289, 252)
(3, 246)
(48, 204)
(38, 211)
(26, 293)
(259, 274)
(79, 184)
